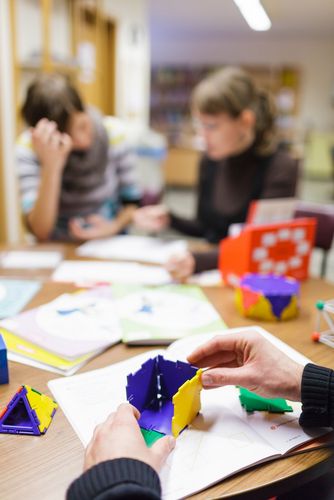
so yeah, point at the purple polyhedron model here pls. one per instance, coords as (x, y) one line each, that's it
(151, 390)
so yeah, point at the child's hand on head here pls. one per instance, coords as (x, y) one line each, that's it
(51, 146)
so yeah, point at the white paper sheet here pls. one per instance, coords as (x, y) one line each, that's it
(30, 259)
(90, 272)
(223, 438)
(128, 247)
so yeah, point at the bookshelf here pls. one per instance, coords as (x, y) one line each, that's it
(171, 88)
(48, 36)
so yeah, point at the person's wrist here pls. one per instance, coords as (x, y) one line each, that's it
(54, 168)
(294, 393)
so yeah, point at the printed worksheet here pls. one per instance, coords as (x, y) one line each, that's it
(34, 259)
(86, 273)
(159, 315)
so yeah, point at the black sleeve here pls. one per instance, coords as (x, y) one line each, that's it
(191, 227)
(123, 478)
(281, 177)
(205, 261)
(317, 397)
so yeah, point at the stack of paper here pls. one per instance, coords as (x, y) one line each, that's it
(138, 248)
(65, 333)
(19, 259)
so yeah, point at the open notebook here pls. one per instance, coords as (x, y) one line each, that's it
(222, 440)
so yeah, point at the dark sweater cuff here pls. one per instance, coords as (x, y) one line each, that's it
(112, 473)
(317, 394)
(205, 261)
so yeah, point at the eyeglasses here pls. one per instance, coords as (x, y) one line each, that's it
(199, 125)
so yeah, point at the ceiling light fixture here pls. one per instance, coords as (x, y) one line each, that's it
(254, 14)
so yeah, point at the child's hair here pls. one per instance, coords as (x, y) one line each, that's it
(231, 90)
(51, 96)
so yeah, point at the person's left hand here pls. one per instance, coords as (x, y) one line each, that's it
(92, 227)
(181, 266)
(120, 437)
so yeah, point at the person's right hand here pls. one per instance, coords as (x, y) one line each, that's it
(51, 146)
(151, 218)
(181, 266)
(249, 360)
(120, 437)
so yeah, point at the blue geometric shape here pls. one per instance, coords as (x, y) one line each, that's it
(4, 378)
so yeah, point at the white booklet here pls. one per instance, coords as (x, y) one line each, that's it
(129, 247)
(222, 440)
(85, 273)
(72, 325)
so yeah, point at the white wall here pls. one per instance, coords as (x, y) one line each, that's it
(133, 58)
(315, 57)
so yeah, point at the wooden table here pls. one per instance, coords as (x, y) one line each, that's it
(43, 467)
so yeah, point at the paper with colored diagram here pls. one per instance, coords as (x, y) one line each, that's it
(72, 325)
(160, 315)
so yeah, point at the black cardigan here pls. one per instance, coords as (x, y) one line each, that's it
(227, 187)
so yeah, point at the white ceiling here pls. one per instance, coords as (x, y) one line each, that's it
(290, 18)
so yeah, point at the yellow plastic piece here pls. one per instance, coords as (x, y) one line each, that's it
(43, 405)
(187, 403)
(263, 310)
(291, 311)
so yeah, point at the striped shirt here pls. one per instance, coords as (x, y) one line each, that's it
(120, 186)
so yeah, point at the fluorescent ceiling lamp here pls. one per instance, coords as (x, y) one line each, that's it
(254, 14)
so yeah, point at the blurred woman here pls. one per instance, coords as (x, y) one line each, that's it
(242, 162)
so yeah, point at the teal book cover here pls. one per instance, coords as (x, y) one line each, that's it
(160, 315)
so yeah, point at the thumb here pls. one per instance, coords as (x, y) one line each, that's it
(217, 377)
(161, 449)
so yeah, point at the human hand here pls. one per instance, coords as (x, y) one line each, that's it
(51, 146)
(92, 227)
(151, 218)
(181, 266)
(249, 360)
(120, 437)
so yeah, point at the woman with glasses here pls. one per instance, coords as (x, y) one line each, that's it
(242, 162)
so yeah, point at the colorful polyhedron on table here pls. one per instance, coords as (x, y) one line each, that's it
(268, 298)
(4, 379)
(28, 412)
(167, 394)
(282, 248)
